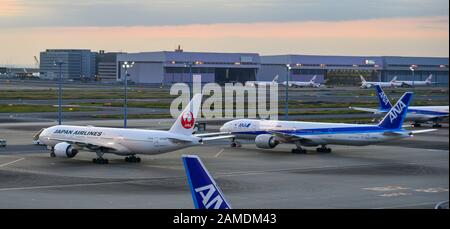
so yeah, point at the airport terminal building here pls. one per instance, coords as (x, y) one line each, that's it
(168, 67)
(76, 63)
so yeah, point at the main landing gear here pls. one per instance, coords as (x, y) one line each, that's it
(235, 144)
(416, 124)
(299, 149)
(100, 159)
(323, 149)
(133, 159)
(437, 125)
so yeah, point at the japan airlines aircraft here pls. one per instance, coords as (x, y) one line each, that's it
(368, 84)
(206, 194)
(65, 141)
(310, 83)
(262, 83)
(270, 133)
(417, 114)
(410, 83)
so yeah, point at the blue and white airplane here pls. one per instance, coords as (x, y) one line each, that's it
(417, 114)
(270, 133)
(206, 194)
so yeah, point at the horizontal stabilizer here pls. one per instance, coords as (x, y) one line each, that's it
(218, 137)
(211, 134)
(422, 131)
(371, 110)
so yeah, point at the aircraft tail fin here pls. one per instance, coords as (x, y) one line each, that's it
(394, 79)
(313, 79)
(428, 79)
(383, 100)
(396, 115)
(362, 78)
(275, 79)
(185, 122)
(206, 194)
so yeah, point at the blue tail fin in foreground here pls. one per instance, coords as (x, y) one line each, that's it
(205, 192)
(396, 115)
(383, 100)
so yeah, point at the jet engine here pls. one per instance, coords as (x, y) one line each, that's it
(266, 141)
(64, 149)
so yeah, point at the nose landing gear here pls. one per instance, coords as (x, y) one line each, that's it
(323, 149)
(100, 159)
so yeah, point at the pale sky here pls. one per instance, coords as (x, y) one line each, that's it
(345, 27)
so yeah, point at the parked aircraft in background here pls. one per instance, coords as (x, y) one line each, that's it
(262, 83)
(65, 141)
(206, 194)
(410, 83)
(369, 84)
(417, 114)
(310, 83)
(270, 133)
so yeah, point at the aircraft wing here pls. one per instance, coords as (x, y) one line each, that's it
(285, 137)
(86, 143)
(292, 137)
(218, 137)
(422, 131)
(392, 133)
(371, 110)
(179, 141)
(211, 134)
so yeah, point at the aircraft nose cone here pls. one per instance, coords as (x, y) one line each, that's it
(224, 128)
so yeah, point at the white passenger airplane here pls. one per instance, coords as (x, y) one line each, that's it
(310, 83)
(417, 114)
(270, 133)
(368, 84)
(262, 83)
(66, 141)
(410, 83)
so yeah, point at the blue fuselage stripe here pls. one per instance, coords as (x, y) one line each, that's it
(319, 131)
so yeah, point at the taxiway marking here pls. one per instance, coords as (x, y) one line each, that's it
(11, 162)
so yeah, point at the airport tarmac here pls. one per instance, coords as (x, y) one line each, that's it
(410, 173)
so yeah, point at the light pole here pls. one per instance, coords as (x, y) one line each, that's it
(412, 68)
(126, 66)
(60, 63)
(286, 90)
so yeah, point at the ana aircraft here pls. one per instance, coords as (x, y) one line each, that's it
(410, 83)
(65, 141)
(270, 133)
(262, 83)
(310, 83)
(368, 84)
(417, 114)
(206, 194)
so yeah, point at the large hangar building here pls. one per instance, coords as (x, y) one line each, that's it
(168, 67)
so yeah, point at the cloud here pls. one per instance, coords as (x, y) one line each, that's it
(417, 36)
(110, 13)
(10, 8)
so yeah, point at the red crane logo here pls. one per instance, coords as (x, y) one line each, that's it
(187, 120)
